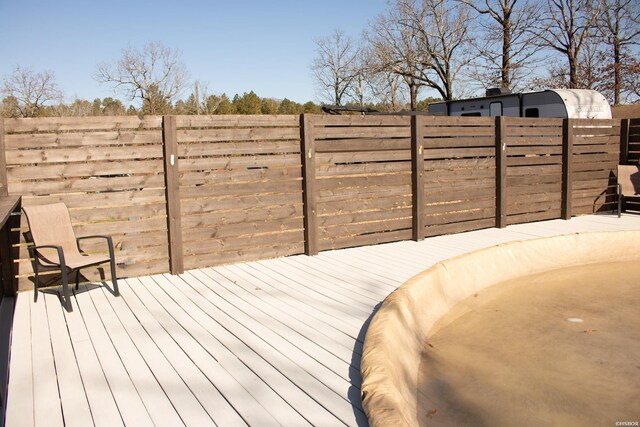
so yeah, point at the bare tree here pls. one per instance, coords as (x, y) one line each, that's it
(335, 67)
(507, 52)
(155, 75)
(394, 50)
(29, 92)
(425, 42)
(443, 36)
(632, 80)
(619, 26)
(568, 25)
(385, 88)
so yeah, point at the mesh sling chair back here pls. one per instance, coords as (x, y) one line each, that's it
(628, 183)
(55, 246)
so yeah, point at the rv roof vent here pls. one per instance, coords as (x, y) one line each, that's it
(495, 91)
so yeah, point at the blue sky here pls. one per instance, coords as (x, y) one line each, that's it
(234, 46)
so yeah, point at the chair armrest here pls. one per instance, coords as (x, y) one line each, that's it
(107, 238)
(93, 237)
(33, 251)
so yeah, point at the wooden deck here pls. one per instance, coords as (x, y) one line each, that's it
(274, 342)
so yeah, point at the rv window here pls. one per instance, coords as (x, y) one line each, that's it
(531, 112)
(478, 114)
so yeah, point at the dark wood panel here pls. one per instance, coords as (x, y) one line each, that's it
(362, 132)
(532, 217)
(364, 240)
(23, 141)
(364, 204)
(243, 229)
(534, 122)
(460, 205)
(362, 144)
(237, 202)
(459, 227)
(347, 218)
(225, 218)
(386, 180)
(213, 246)
(70, 124)
(242, 255)
(237, 134)
(242, 189)
(454, 217)
(458, 142)
(359, 120)
(238, 120)
(71, 170)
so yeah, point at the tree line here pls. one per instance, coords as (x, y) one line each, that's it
(36, 94)
(457, 48)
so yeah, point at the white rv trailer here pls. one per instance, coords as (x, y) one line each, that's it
(560, 103)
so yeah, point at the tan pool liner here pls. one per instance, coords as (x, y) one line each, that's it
(397, 333)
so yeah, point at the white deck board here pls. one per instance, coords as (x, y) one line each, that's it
(292, 328)
(20, 411)
(207, 316)
(261, 396)
(46, 397)
(107, 383)
(198, 384)
(186, 405)
(274, 342)
(104, 410)
(148, 384)
(76, 412)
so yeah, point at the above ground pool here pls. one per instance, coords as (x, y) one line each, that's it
(541, 332)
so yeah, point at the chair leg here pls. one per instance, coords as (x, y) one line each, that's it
(77, 280)
(65, 290)
(32, 254)
(114, 279)
(35, 286)
(619, 201)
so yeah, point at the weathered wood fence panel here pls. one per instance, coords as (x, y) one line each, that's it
(240, 188)
(596, 154)
(363, 179)
(460, 173)
(534, 169)
(180, 192)
(108, 170)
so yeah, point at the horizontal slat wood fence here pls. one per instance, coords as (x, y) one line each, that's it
(109, 173)
(459, 173)
(240, 188)
(534, 169)
(363, 179)
(594, 163)
(180, 192)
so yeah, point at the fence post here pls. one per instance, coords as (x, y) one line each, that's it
(567, 168)
(4, 187)
(501, 171)
(172, 193)
(417, 176)
(624, 141)
(309, 189)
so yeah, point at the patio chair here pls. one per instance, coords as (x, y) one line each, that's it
(628, 183)
(55, 246)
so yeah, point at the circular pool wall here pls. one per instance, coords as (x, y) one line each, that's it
(393, 349)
